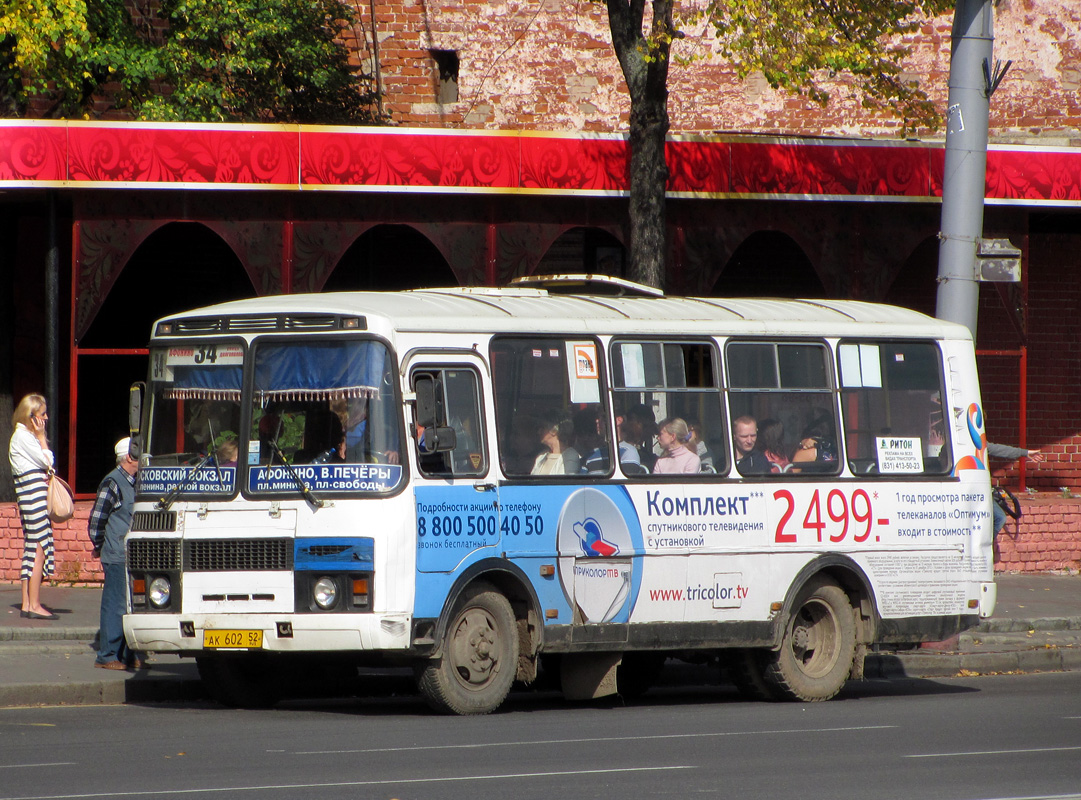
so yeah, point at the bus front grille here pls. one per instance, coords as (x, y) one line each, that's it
(238, 555)
(153, 521)
(153, 554)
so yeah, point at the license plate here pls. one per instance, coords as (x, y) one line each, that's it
(237, 640)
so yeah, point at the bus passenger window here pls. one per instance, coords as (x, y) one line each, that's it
(667, 402)
(548, 408)
(891, 396)
(784, 418)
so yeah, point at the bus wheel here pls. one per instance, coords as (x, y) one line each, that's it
(241, 681)
(818, 645)
(480, 656)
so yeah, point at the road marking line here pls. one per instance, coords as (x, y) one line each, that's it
(46, 764)
(336, 784)
(993, 752)
(487, 745)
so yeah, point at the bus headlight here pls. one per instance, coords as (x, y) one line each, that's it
(325, 593)
(160, 592)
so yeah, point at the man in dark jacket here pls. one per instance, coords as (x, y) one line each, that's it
(749, 459)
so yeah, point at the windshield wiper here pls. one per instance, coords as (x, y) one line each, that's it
(166, 501)
(305, 491)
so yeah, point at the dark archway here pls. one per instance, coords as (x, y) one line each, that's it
(390, 258)
(916, 285)
(768, 264)
(181, 266)
(589, 250)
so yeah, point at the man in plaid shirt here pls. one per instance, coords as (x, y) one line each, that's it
(110, 520)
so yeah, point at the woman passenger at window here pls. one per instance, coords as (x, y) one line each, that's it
(556, 434)
(771, 440)
(673, 436)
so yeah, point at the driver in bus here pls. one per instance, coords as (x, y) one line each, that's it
(357, 440)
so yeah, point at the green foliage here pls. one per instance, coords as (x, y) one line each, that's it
(209, 60)
(799, 45)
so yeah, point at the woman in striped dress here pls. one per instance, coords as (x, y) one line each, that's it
(31, 459)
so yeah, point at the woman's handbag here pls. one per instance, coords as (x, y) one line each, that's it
(60, 500)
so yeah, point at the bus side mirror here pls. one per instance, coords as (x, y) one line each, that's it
(427, 405)
(135, 417)
(439, 440)
(430, 413)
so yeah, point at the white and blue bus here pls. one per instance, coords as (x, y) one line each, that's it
(572, 469)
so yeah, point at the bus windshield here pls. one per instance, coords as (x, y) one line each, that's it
(321, 414)
(193, 439)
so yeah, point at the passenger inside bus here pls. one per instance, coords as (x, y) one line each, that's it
(358, 447)
(750, 460)
(674, 435)
(771, 440)
(629, 460)
(556, 433)
(817, 451)
(227, 451)
(697, 445)
(591, 441)
(640, 427)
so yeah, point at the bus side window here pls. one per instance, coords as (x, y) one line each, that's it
(674, 384)
(548, 408)
(457, 407)
(784, 417)
(891, 396)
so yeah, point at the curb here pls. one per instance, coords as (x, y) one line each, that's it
(103, 693)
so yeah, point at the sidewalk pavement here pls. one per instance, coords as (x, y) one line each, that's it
(1036, 627)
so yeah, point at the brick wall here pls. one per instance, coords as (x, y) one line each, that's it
(550, 66)
(74, 563)
(1047, 537)
(1054, 363)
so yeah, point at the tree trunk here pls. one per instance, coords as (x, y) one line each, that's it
(644, 61)
(648, 178)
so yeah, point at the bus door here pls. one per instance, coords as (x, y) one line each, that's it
(456, 501)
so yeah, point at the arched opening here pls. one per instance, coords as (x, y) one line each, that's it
(589, 250)
(916, 285)
(390, 258)
(768, 264)
(182, 265)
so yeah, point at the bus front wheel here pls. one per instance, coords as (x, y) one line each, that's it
(479, 655)
(818, 645)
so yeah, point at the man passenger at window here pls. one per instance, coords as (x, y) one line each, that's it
(749, 459)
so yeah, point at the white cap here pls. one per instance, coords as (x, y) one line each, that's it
(122, 447)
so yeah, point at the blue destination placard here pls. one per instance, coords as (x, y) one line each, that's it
(209, 480)
(325, 478)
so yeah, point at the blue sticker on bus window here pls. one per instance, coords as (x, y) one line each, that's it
(325, 478)
(208, 480)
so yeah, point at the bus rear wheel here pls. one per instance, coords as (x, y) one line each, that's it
(480, 656)
(818, 646)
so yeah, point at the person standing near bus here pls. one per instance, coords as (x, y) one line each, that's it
(1008, 453)
(31, 460)
(110, 521)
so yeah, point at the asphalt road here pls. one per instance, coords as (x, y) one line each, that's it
(986, 738)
